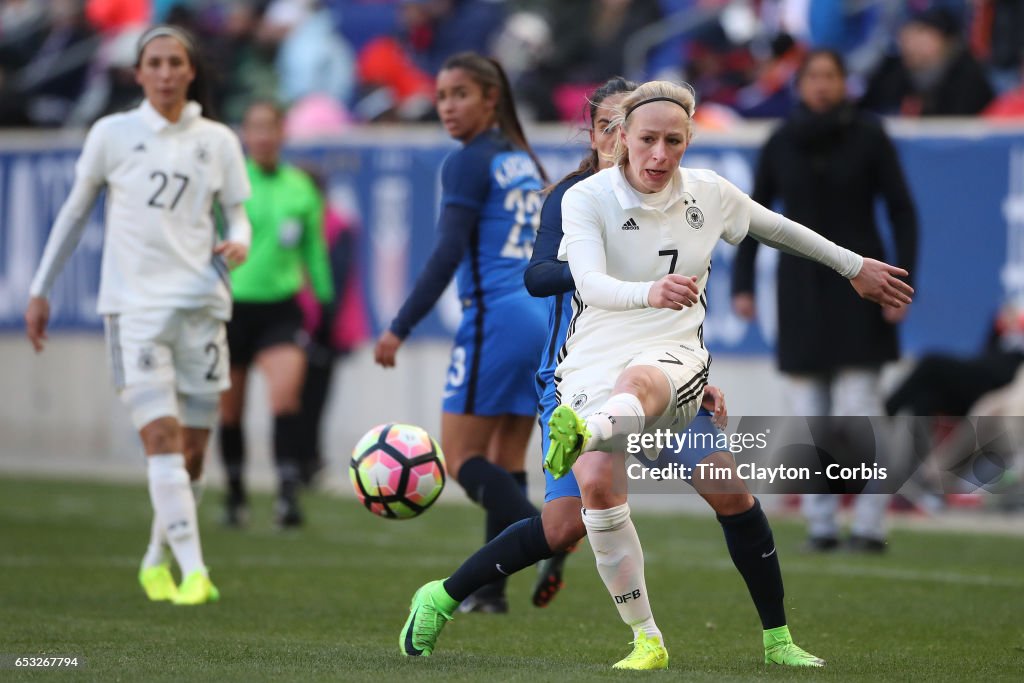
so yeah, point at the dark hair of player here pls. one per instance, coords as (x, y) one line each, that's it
(488, 74)
(613, 86)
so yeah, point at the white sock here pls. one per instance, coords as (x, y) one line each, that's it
(156, 552)
(198, 486)
(620, 562)
(175, 509)
(620, 416)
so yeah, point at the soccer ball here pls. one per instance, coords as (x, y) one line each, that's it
(397, 470)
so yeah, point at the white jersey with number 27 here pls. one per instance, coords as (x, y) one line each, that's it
(161, 180)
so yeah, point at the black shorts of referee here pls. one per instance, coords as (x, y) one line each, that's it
(257, 326)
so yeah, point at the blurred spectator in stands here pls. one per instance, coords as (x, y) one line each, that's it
(360, 21)
(316, 117)
(113, 16)
(335, 330)
(42, 90)
(828, 164)
(246, 62)
(587, 49)
(311, 57)
(437, 29)
(771, 94)
(943, 384)
(1009, 105)
(21, 22)
(997, 38)
(933, 75)
(719, 61)
(391, 87)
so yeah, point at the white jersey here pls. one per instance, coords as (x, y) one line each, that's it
(642, 244)
(161, 180)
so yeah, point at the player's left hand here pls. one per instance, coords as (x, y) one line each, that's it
(234, 253)
(879, 282)
(714, 403)
(37, 317)
(386, 349)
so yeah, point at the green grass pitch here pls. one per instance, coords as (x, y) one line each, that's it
(327, 603)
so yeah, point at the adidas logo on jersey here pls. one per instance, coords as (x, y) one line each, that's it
(141, 147)
(630, 225)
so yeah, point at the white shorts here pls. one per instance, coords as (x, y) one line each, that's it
(587, 389)
(186, 349)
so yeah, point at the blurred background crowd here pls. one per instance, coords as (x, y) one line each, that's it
(333, 62)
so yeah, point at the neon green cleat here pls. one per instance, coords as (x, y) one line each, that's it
(196, 589)
(158, 582)
(567, 433)
(779, 648)
(648, 654)
(431, 608)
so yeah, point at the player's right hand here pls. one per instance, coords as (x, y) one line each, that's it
(386, 349)
(743, 306)
(674, 291)
(37, 317)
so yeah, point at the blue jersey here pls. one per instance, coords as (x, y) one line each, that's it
(556, 283)
(502, 183)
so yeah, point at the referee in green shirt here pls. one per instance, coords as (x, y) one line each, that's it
(288, 246)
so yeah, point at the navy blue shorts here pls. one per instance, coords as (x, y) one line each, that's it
(495, 356)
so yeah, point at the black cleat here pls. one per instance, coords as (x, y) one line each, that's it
(865, 545)
(236, 511)
(287, 514)
(821, 544)
(475, 604)
(549, 579)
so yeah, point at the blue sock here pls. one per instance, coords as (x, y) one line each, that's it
(520, 478)
(495, 490)
(753, 551)
(497, 520)
(517, 547)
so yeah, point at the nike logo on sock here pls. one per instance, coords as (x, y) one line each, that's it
(501, 569)
(767, 555)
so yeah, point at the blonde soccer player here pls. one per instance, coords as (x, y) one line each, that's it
(638, 238)
(164, 293)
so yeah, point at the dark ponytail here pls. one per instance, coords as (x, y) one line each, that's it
(488, 74)
(613, 86)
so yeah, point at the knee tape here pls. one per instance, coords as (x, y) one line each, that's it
(606, 520)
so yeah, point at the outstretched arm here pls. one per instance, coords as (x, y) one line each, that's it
(873, 280)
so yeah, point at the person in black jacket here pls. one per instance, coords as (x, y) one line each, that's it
(934, 73)
(827, 164)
